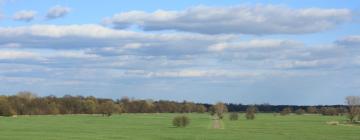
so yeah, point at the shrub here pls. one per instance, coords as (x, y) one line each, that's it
(300, 111)
(181, 121)
(234, 116)
(285, 111)
(329, 111)
(250, 113)
(311, 110)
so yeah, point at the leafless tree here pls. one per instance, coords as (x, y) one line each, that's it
(220, 109)
(353, 103)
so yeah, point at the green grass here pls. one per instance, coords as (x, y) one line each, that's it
(158, 127)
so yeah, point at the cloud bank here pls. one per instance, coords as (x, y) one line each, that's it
(244, 19)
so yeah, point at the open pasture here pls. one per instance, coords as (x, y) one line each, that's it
(159, 127)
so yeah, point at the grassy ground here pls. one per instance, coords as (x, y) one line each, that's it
(158, 127)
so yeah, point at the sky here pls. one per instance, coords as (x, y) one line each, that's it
(252, 52)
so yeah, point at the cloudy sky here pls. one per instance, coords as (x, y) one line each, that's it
(278, 52)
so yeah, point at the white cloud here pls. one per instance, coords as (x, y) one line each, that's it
(89, 30)
(25, 15)
(97, 31)
(57, 12)
(350, 41)
(254, 44)
(188, 73)
(244, 19)
(73, 55)
(11, 54)
(304, 64)
(96, 36)
(22, 80)
(160, 55)
(10, 45)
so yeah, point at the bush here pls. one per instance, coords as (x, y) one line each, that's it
(181, 121)
(234, 116)
(250, 113)
(311, 110)
(286, 111)
(329, 111)
(300, 111)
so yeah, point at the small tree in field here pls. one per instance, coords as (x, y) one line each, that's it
(299, 111)
(234, 116)
(220, 109)
(181, 121)
(353, 103)
(250, 112)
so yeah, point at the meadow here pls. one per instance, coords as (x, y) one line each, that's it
(159, 127)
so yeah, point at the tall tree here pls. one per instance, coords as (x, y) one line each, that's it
(220, 109)
(353, 103)
(5, 108)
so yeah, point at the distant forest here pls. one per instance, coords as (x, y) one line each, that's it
(27, 103)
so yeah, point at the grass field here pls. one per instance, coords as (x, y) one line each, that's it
(158, 127)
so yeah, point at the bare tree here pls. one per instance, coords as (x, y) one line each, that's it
(220, 109)
(353, 103)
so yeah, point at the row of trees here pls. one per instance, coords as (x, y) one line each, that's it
(27, 103)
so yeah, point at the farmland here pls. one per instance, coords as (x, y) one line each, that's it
(158, 127)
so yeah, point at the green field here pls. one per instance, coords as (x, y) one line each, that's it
(158, 127)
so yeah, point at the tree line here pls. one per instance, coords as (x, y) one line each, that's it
(330, 110)
(27, 103)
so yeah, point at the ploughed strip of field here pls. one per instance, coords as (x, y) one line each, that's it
(216, 123)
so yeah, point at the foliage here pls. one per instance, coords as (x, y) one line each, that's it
(220, 109)
(300, 111)
(286, 111)
(27, 103)
(329, 111)
(250, 112)
(5, 108)
(181, 121)
(107, 108)
(311, 110)
(234, 116)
